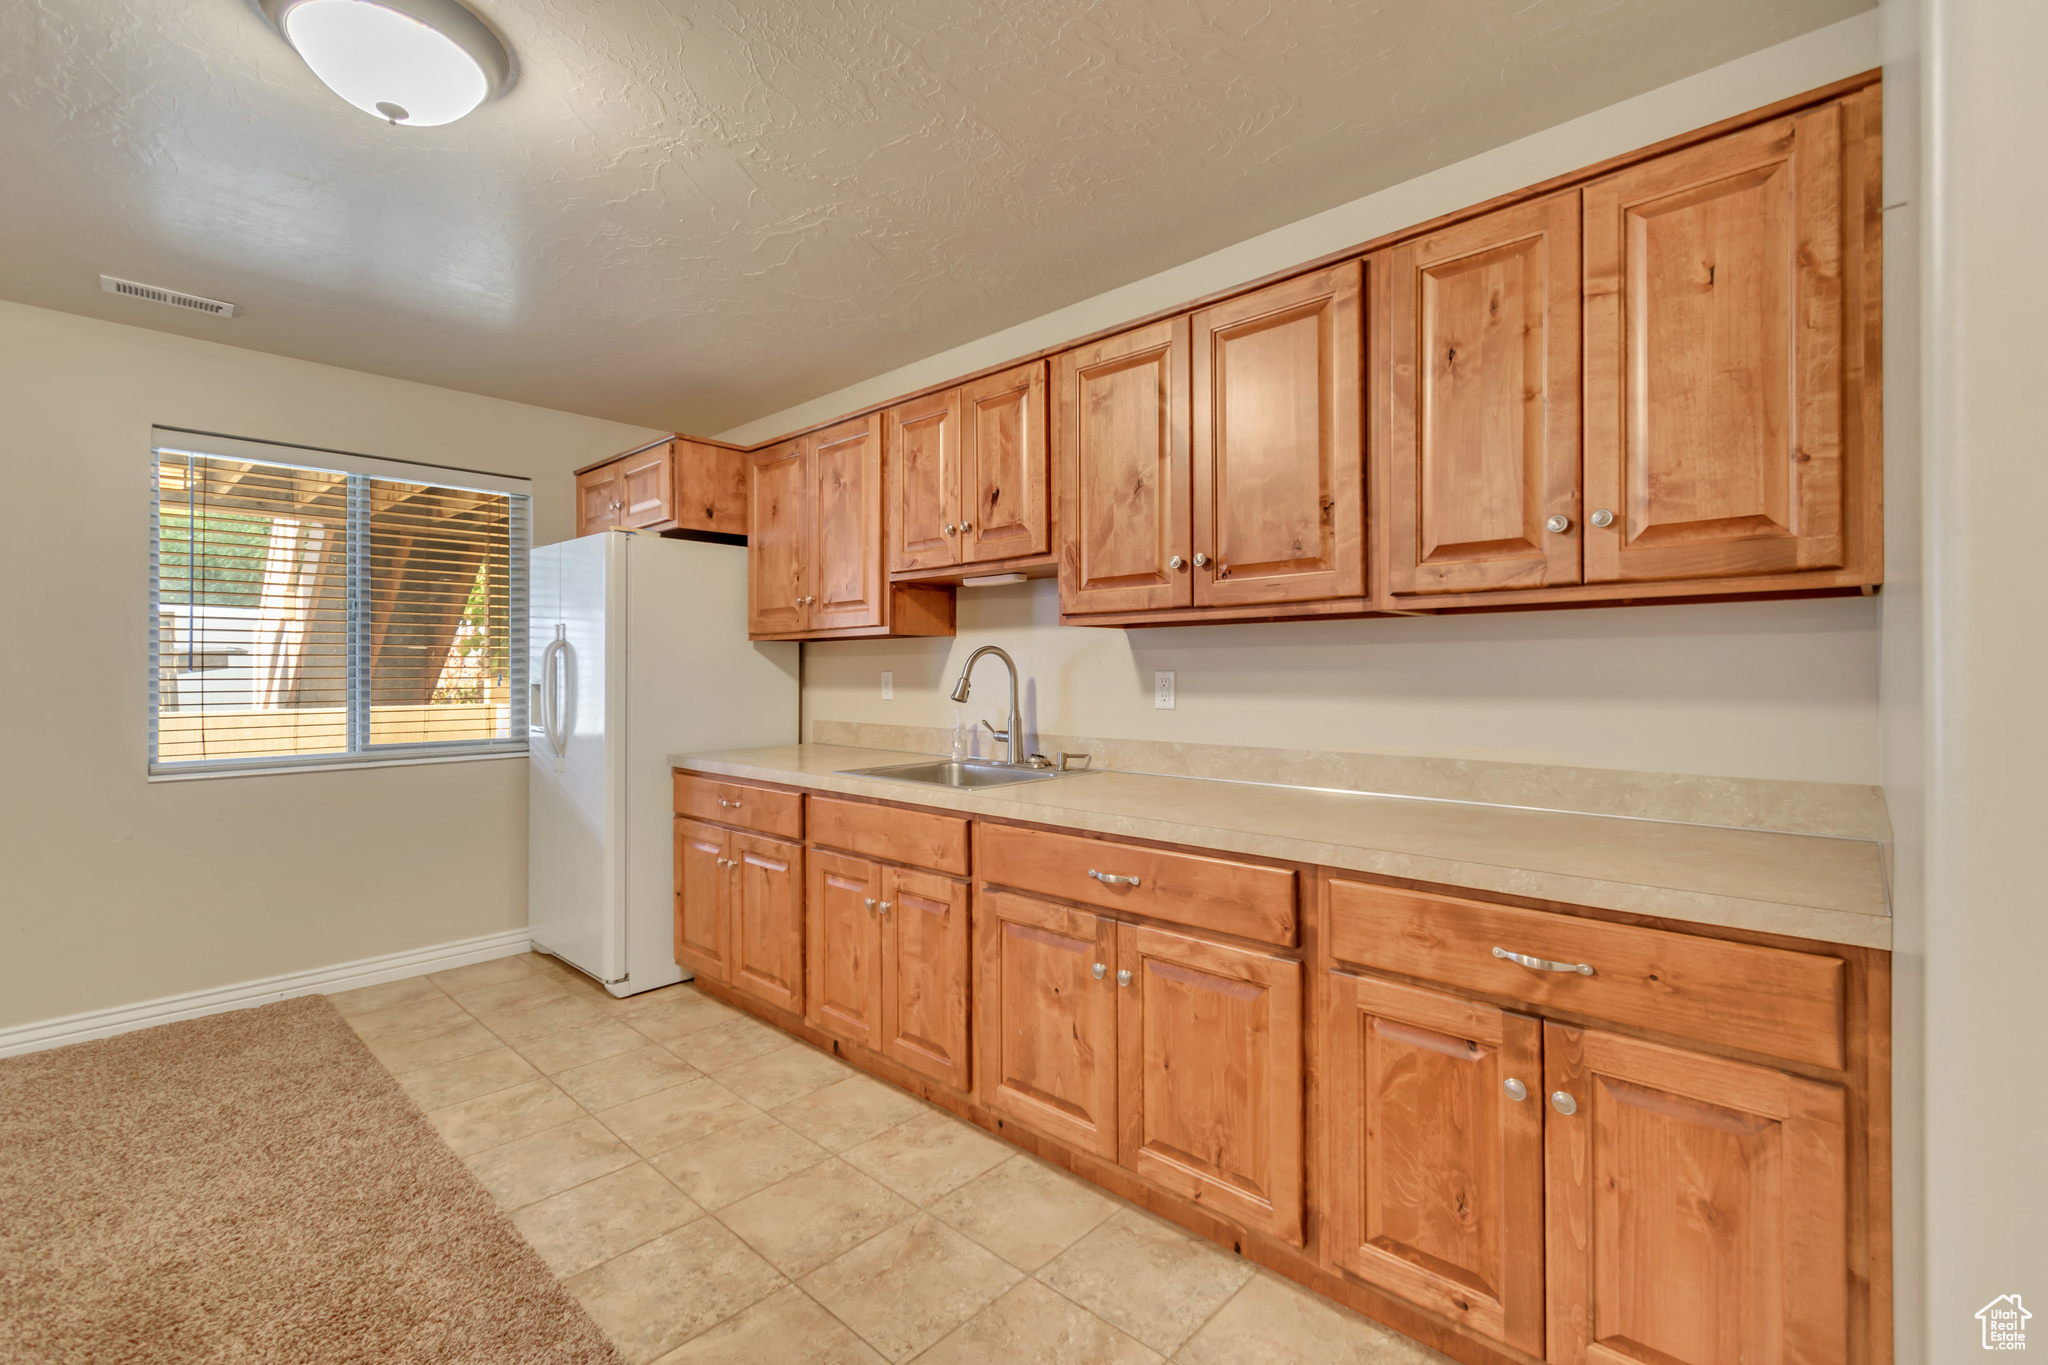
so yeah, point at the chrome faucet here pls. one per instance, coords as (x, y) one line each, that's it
(1014, 735)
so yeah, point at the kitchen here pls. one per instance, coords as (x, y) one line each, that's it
(1450, 769)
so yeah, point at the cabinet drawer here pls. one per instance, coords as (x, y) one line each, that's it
(920, 838)
(739, 803)
(1227, 897)
(1765, 1000)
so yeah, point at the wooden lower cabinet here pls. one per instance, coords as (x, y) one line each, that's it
(1435, 1153)
(1698, 1207)
(1046, 1014)
(926, 964)
(845, 933)
(703, 899)
(1209, 1075)
(740, 911)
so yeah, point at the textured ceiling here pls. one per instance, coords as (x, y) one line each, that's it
(690, 215)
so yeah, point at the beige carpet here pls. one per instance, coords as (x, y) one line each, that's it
(253, 1187)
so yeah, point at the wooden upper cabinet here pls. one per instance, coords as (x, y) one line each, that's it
(925, 967)
(1433, 1109)
(767, 932)
(1696, 1208)
(1210, 1088)
(844, 563)
(1278, 446)
(599, 499)
(1714, 357)
(924, 482)
(845, 941)
(1005, 472)
(1482, 403)
(1046, 1020)
(778, 520)
(703, 899)
(647, 486)
(710, 487)
(1123, 453)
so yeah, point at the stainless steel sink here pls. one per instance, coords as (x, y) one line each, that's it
(944, 772)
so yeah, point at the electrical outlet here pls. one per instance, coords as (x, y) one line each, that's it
(1162, 689)
(888, 685)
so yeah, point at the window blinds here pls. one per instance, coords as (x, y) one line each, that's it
(309, 608)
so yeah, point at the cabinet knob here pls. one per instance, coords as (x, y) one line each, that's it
(1100, 969)
(1563, 1103)
(869, 902)
(1175, 562)
(951, 528)
(882, 907)
(1123, 978)
(1602, 518)
(725, 862)
(965, 527)
(1516, 1090)
(1558, 524)
(1201, 560)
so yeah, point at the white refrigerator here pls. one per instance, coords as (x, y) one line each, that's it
(638, 649)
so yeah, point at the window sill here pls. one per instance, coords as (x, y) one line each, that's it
(350, 765)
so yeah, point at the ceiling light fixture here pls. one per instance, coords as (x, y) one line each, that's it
(422, 63)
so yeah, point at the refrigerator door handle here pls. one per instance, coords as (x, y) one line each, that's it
(551, 694)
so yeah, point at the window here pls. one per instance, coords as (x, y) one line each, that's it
(309, 608)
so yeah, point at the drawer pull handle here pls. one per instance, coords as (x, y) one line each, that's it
(1099, 969)
(729, 805)
(1111, 879)
(1544, 964)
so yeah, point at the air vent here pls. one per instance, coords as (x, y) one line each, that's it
(154, 294)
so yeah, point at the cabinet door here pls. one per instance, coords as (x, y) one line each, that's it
(1279, 450)
(768, 921)
(711, 488)
(647, 486)
(597, 499)
(843, 925)
(1124, 472)
(1004, 469)
(925, 966)
(703, 897)
(1714, 365)
(1433, 1113)
(778, 518)
(1046, 1019)
(1209, 1042)
(1697, 1208)
(924, 482)
(1483, 403)
(845, 550)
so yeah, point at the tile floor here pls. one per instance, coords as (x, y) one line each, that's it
(712, 1189)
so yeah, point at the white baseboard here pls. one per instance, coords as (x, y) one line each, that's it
(343, 976)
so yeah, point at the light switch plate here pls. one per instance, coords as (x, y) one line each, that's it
(1162, 689)
(888, 685)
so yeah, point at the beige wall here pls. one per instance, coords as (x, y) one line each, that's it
(1774, 689)
(1984, 339)
(114, 890)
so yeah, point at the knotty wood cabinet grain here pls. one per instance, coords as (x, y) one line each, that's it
(1210, 1083)
(923, 442)
(647, 486)
(1482, 403)
(1714, 357)
(681, 484)
(1697, 1207)
(1278, 445)
(1126, 537)
(599, 500)
(778, 519)
(846, 587)
(1046, 1015)
(1435, 1167)
(926, 965)
(845, 938)
(767, 933)
(1005, 467)
(703, 899)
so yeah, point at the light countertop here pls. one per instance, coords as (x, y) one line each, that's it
(1803, 885)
